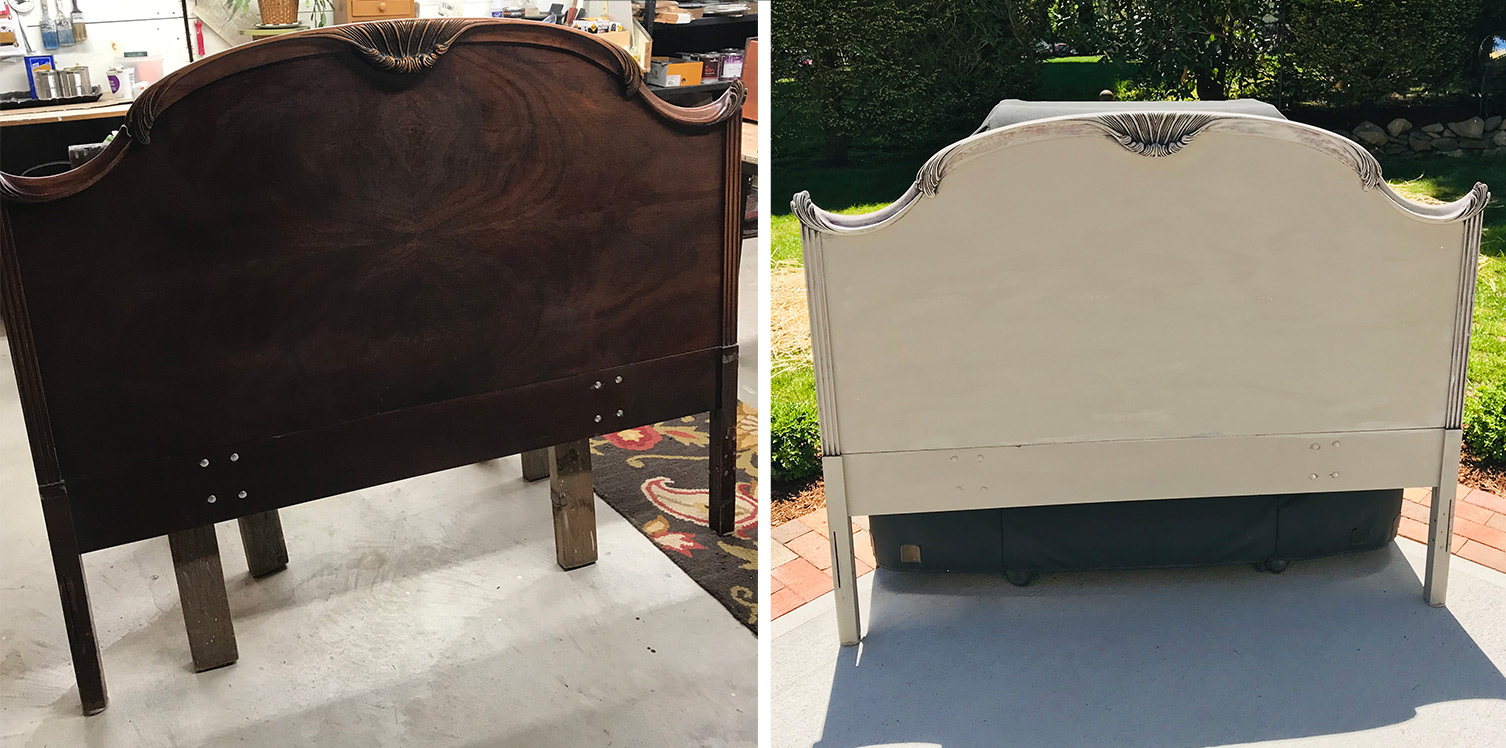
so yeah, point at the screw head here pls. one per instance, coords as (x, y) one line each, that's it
(1314, 476)
(242, 494)
(1333, 475)
(596, 386)
(619, 379)
(619, 414)
(212, 499)
(234, 456)
(1316, 446)
(598, 419)
(1336, 444)
(203, 463)
(954, 458)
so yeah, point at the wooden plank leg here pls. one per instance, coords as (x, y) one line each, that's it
(1441, 521)
(266, 551)
(78, 619)
(206, 607)
(843, 563)
(721, 499)
(536, 464)
(574, 504)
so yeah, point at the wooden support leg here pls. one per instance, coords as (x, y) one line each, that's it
(261, 534)
(721, 500)
(77, 618)
(843, 563)
(201, 587)
(574, 504)
(1441, 521)
(536, 464)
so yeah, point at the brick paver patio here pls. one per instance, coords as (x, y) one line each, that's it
(802, 552)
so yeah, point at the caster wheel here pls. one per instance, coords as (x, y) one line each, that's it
(1276, 565)
(1019, 577)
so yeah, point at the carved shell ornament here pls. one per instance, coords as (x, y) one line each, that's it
(1153, 134)
(403, 47)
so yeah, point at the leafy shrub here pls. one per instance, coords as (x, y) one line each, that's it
(1485, 423)
(795, 441)
(1353, 52)
(904, 73)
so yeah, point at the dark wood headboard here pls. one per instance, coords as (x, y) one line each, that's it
(321, 250)
(362, 253)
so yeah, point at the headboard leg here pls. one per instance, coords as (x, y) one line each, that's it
(574, 504)
(201, 588)
(844, 575)
(536, 464)
(1441, 521)
(77, 618)
(266, 551)
(721, 501)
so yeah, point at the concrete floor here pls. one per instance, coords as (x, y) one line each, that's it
(426, 612)
(1339, 651)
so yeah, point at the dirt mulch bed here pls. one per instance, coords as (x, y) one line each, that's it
(798, 500)
(1490, 478)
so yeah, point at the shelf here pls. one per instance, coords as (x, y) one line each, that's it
(709, 21)
(716, 86)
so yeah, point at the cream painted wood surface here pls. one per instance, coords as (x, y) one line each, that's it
(1086, 472)
(1240, 287)
(1139, 306)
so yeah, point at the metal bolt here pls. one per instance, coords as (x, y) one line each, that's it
(1333, 475)
(598, 419)
(619, 380)
(1314, 476)
(596, 386)
(1316, 446)
(954, 458)
(234, 456)
(1336, 444)
(619, 414)
(242, 494)
(203, 463)
(212, 499)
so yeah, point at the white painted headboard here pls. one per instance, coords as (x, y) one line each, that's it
(1147, 305)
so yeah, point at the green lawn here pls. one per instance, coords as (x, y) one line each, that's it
(864, 189)
(1081, 78)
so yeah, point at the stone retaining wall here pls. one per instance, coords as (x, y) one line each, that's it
(1399, 138)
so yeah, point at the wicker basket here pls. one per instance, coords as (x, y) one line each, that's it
(278, 11)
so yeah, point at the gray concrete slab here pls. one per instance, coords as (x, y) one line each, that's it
(1340, 651)
(428, 612)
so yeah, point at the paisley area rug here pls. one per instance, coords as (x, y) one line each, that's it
(656, 478)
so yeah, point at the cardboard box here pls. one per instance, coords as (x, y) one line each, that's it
(750, 79)
(663, 71)
(622, 39)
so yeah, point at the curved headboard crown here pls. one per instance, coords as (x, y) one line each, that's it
(1144, 275)
(356, 220)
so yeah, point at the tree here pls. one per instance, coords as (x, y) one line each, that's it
(1203, 48)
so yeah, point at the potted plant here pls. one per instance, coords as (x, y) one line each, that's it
(284, 12)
